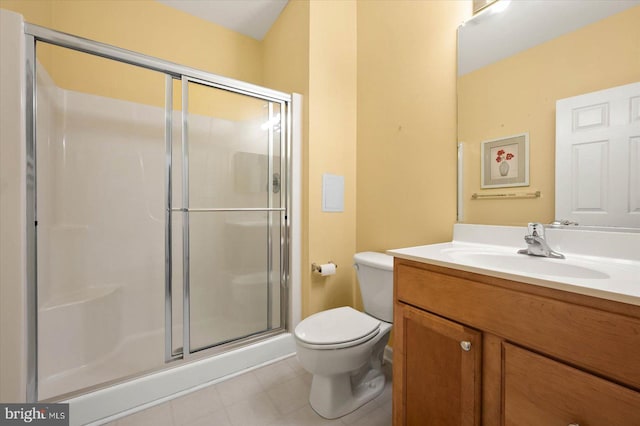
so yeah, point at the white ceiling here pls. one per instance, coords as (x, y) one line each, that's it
(250, 17)
(509, 26)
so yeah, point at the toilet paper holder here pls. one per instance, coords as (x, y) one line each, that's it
(318, 268)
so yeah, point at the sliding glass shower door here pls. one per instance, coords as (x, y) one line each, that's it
(161, 223)
(100, 214)
(231, 207)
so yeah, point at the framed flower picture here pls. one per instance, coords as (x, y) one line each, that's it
(505, 162)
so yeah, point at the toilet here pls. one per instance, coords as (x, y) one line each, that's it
(343, 347)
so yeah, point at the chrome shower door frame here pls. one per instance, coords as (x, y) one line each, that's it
(172, 72)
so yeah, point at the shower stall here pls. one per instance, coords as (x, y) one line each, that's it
(158, 214)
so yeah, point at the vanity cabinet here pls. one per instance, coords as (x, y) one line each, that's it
(470, 349)
(443, 362)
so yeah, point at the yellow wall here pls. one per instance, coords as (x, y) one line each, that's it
(518, 95)
(301, 55)
(403, 76)
(34, 11)
(332, 149)
(152, 28)
(285, 50)
(406, 164)
(165, 33)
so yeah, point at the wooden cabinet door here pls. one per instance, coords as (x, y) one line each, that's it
(541, 391)
(436, 370)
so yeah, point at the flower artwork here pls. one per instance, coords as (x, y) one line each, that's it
(503, 155)
(502, 158)
(505, 162)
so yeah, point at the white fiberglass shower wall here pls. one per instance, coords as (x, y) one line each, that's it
(162, 219)
(100, 242)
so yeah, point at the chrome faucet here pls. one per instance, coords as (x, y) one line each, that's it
(537, 244)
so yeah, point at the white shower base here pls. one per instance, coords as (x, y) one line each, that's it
(125, 398)
(82, 343)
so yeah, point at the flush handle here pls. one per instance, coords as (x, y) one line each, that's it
(465, 345)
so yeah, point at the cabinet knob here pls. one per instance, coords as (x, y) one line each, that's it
(466, 346)
(573, 424)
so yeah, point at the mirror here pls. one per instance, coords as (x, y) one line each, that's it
(515, 60)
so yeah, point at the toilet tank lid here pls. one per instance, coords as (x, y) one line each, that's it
(374, 259)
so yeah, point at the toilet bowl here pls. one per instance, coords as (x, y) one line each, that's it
(343, 347)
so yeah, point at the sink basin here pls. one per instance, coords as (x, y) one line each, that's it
(598, 263)
(526, 264)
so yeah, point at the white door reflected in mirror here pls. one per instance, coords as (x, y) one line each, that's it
(598, 157)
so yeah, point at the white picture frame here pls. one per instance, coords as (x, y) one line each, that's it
(505, 162)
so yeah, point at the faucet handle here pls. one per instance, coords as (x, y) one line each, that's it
(536, 229)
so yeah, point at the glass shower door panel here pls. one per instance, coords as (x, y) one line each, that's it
(100, 191)
(234, 182)
(231, 277)
(231, 158)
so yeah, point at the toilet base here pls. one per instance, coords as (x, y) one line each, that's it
(335, 396)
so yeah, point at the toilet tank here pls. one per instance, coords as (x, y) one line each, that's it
(375, 277)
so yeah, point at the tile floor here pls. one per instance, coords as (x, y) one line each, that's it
(277, 394)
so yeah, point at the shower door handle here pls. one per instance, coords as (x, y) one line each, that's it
(276, 183)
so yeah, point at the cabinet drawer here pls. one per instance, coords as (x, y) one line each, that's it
(540, 391)
(602, 342)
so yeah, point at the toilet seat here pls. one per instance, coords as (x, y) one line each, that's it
(336, 328)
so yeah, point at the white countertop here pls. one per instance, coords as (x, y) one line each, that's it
(598, 263)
